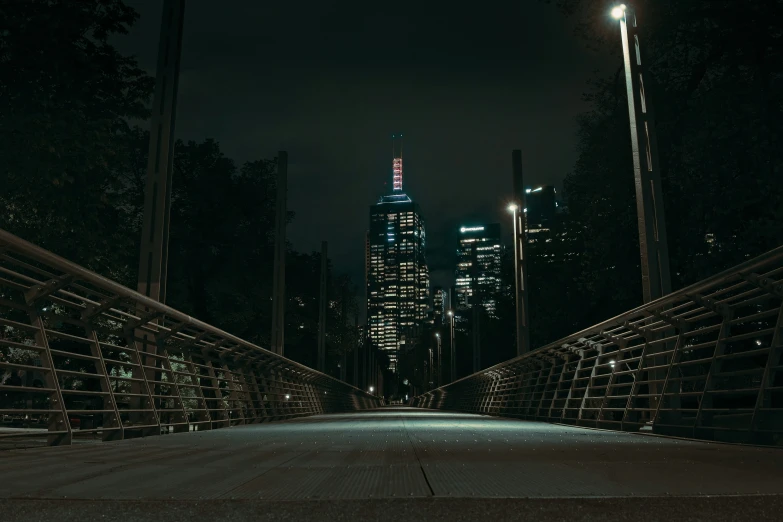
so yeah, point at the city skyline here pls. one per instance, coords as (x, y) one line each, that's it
(441, 90)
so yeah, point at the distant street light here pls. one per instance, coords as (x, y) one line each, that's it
(372, 389)
(452, 349)
(440, 362)
(430, 371)
(653, 243)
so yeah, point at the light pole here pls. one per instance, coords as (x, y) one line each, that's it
(430, 372)
(656, 279)
(440, 361)
(453, 359)
(518, 210)
(520, 294)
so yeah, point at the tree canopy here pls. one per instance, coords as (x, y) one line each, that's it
(74, 169)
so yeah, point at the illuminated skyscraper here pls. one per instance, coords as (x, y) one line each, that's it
(540, 215)
(397, 276)
(439, 301)
(478, 266)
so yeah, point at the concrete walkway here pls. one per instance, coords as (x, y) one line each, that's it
(391, 453)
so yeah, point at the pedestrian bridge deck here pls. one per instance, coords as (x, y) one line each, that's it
(390, 453)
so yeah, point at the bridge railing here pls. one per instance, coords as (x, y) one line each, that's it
(81, 355)
(702, 362)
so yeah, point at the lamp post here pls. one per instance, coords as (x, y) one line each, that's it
(656, 278)
(453, 359)
(430, 372)
(520, 295)
(440, 362)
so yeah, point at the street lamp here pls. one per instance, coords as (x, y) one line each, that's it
(372, 389)
(430, 372)
(520, 297)
(452, 349)
(653, 243)
(440, 359)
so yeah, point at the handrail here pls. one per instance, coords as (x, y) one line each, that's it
(669, 365)
(19, 245)
(153, 368)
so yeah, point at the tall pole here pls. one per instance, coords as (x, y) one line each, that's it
(322, 311)
(153, 256)
(476, 338)
(154, 246)
(344, 326)
(278, 282)
(371, 367)
(452, 348)
(430, 371)
(355, 345)
(440, 362)
(653, 243)
(520, 262)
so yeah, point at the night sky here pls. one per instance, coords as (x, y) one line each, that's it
(330, 82)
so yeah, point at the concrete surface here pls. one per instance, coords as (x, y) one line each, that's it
(649, 509)
(390, 453)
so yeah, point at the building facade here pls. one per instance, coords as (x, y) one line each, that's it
(549, 242)
(540, 211)
(439, 302)
(397, 275)
(478, 271)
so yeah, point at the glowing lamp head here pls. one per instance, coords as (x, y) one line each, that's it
(618, 11)
(372, 389)
(451, 313)
(512, 207)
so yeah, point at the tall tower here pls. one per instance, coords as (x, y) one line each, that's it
(397, 276)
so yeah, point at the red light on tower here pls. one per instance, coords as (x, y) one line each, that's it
(397, 169)
(397, 162)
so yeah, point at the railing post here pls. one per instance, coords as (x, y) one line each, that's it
(203, 415)
(60, 432)
(165, 364)
(593, 375)
(116, 431)
(218, 410)
(675, 399)
(145, 419)
(774, 359)
(715, 364)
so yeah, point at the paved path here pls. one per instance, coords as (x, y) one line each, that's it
(389, 453)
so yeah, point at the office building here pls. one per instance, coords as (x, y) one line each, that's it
(397, 275)
(477, 276)
(540, 211)
(549, 242)
(439, 302)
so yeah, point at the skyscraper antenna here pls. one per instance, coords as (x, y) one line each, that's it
(397, 162)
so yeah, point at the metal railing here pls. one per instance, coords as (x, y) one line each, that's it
(702, 362)
(81, 355)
